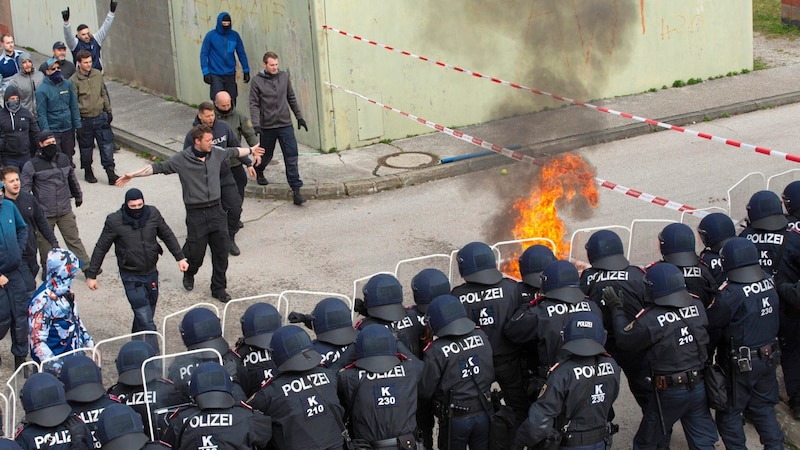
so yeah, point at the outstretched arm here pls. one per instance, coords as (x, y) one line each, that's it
(145, 171)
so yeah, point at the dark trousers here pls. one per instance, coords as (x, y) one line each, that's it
(426, 421)
(96, 129)
(509, 376)
(232, 205)
(14, 312)
(14, 160)
(284, 135)
(66, 142)
(240, 176)
(225, 83)
(471, 430)
(790, 349)
(207, 227)
(756, 391)
(688, 406)
(142, 293)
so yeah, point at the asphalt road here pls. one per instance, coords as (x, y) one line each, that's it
(325, 245)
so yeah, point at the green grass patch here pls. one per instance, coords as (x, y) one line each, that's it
(385, 141)
(767, 20)
(692, 81)
(678, 83)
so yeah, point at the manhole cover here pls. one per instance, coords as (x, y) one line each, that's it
(409, 160)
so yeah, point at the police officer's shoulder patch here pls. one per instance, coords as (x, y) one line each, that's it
(19, 430)
(647, 267)
(541, 393)
(115, 398)
(723, 286)
(427, 346)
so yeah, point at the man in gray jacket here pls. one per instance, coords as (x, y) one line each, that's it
(198, 168)
(271, 99)
(51, 179)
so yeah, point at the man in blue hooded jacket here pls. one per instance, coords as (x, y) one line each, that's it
(217, 59)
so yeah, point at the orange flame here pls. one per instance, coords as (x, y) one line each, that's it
(563, 180)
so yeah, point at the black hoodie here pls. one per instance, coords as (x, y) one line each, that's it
(17, 130)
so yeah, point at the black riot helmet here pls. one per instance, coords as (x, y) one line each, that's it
(666, 286)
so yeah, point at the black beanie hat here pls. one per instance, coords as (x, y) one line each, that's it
(133, 194)
(226, 18)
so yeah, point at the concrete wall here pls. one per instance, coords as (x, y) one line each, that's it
(585, 49)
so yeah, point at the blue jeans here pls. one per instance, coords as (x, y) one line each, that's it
(14, 160)
(284, 135)
(471, 430)
(688, 406)
(142, 293)
(757, 391)
(96, 129)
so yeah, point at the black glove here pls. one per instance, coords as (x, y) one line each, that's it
(78, 202)
(257, 130)
(360, 307)
(113, 6)
(612, 298)
(110, 117)
(207, 78)
(301, 123)
(306, 319)
(65, 14)
(246, 77)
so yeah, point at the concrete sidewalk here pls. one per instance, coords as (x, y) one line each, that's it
(148, 123)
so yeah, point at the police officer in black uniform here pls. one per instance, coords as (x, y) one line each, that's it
(779, 255)
(490, 300)
(458, 375)
(791, 201)
(379, 392)
(84, 389)
(673, 335)
(301, 399)
(259, 321)
(49, 419)
(778, 246)
(201, 329)
(382, 305)
(532, 262)
(120, 428)
(744, 318)
(610, 267)
(333, 325)
(715, 229)
(575, 403)
(426, 285)
(541, 325)
(677, 244)
(216, 420)
(138, 392)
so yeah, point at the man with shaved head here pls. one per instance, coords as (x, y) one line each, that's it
(243, 126)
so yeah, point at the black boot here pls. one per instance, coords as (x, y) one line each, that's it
(794, 405)
(298, 197)
(89, 177)
(234, 250)
(18, 361)
(112, 177)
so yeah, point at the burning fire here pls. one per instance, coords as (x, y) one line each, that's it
(562, 180)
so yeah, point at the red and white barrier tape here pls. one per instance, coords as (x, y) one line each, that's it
(660, 201)
(731, 142)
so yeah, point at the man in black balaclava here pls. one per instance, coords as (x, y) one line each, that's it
(133, 230)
